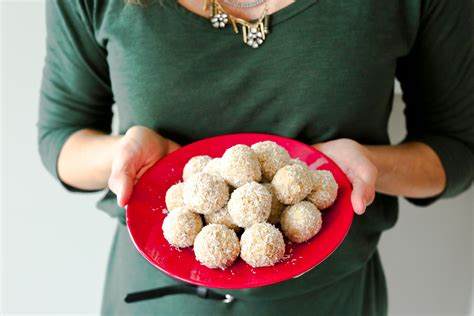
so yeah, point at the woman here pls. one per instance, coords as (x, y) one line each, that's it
(323, 75)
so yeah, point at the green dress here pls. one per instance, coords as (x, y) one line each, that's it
(326, 71)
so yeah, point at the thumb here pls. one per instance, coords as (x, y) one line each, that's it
(124, 187)
(362, 195)
(121, 179)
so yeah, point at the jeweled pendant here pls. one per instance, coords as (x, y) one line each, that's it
(254, 35)
(219, 20)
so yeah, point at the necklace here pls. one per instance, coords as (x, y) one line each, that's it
(244, 5)
(253, 33)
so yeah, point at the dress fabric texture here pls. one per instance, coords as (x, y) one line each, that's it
(326, 71)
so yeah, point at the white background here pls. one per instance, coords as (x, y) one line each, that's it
(55, 244)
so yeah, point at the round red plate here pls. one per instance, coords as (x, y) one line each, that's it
(145, 216)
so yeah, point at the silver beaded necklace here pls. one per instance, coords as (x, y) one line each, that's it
(244, 5)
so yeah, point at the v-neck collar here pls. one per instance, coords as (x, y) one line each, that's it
(277, 17)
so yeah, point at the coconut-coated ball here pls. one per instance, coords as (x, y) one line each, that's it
(277, 206)
(272, 157)
(262, 245)
(221, 217)
(205, 193)
(292, 183)
(250, 204)
(239, 165)
(195, 165)
(300, 222)
(297, 161)
(181, 226)
(324, 191)
(213, 167)
(216, 246)
(174, 196)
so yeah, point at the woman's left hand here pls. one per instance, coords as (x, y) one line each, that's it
(353, 159)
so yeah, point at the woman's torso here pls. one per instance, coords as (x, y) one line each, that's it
(325, 71)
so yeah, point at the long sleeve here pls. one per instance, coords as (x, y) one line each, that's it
(437, 79)
(76, 90)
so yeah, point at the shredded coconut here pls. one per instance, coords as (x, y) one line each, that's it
(324, 191)
(239, 165)
(271, 157)
(301, 222)
(262, 245)
(205, 193)
(216, 246)
(174, 196)
(292, 183)
(213, 167)
(296, 161)
(195, 165)
(250, 204)
(277, 206)
(221, 217)
(181, 226)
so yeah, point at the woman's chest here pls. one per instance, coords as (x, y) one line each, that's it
(317, 73)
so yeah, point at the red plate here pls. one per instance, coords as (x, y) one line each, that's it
(145, 216)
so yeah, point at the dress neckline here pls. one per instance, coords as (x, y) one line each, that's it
(277, 17)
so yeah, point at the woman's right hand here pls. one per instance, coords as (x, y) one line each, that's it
(138, 150)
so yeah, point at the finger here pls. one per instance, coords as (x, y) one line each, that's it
(121, 178)
(124, 188)
(317, 146)
(357, 197)
(172, 146)
(363, 195)
(369, 178)
(325, 147)
(369, 195)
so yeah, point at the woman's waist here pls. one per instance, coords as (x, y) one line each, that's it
(351, 256)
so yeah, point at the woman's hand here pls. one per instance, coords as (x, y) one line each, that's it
(135, 153)
(353, 159)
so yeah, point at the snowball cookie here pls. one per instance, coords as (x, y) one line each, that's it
(195, 165)
(205, 193)
(296, 161)
(221, 217)
(174, 196)
(181, 226)
(271, 157)
(250, 204)
(292, 183)
(239, 165)
(277, 206)
(324, 189)
(262, 245)
(216, 246)
(213, 167)
(301, 221)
